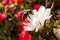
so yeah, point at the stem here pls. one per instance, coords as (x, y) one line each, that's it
(52, 5)
(46, 3)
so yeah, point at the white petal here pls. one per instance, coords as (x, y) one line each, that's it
(48, 11)
(29, 27)
(34, 11)
(37, 27)
(41, 10)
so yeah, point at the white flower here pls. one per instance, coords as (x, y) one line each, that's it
(38, 18)
(43, 14)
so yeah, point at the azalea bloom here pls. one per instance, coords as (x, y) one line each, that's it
(11, 1)
(58, 16)
(24, 35)
(19, 1)
(4, 2)
(37, 6)
(44, 14)
(2, 17)
(38, 18)
(15, 1)
(7, 8)
(25, 23)
(19, 14)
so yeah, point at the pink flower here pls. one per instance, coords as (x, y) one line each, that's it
(4, 2)
(19, 14)
(58, 16)
(24, 35)
(37, 6)
(2, 17)
(7, 8)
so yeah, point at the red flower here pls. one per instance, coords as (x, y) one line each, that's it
(11, 1)
(24, 36)
(37, 6)
(15, 1)
(4, 2)
(19, 1)
(19, 14)
(7, 8)
(25, 22)
(58, 16)
(2, 17)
